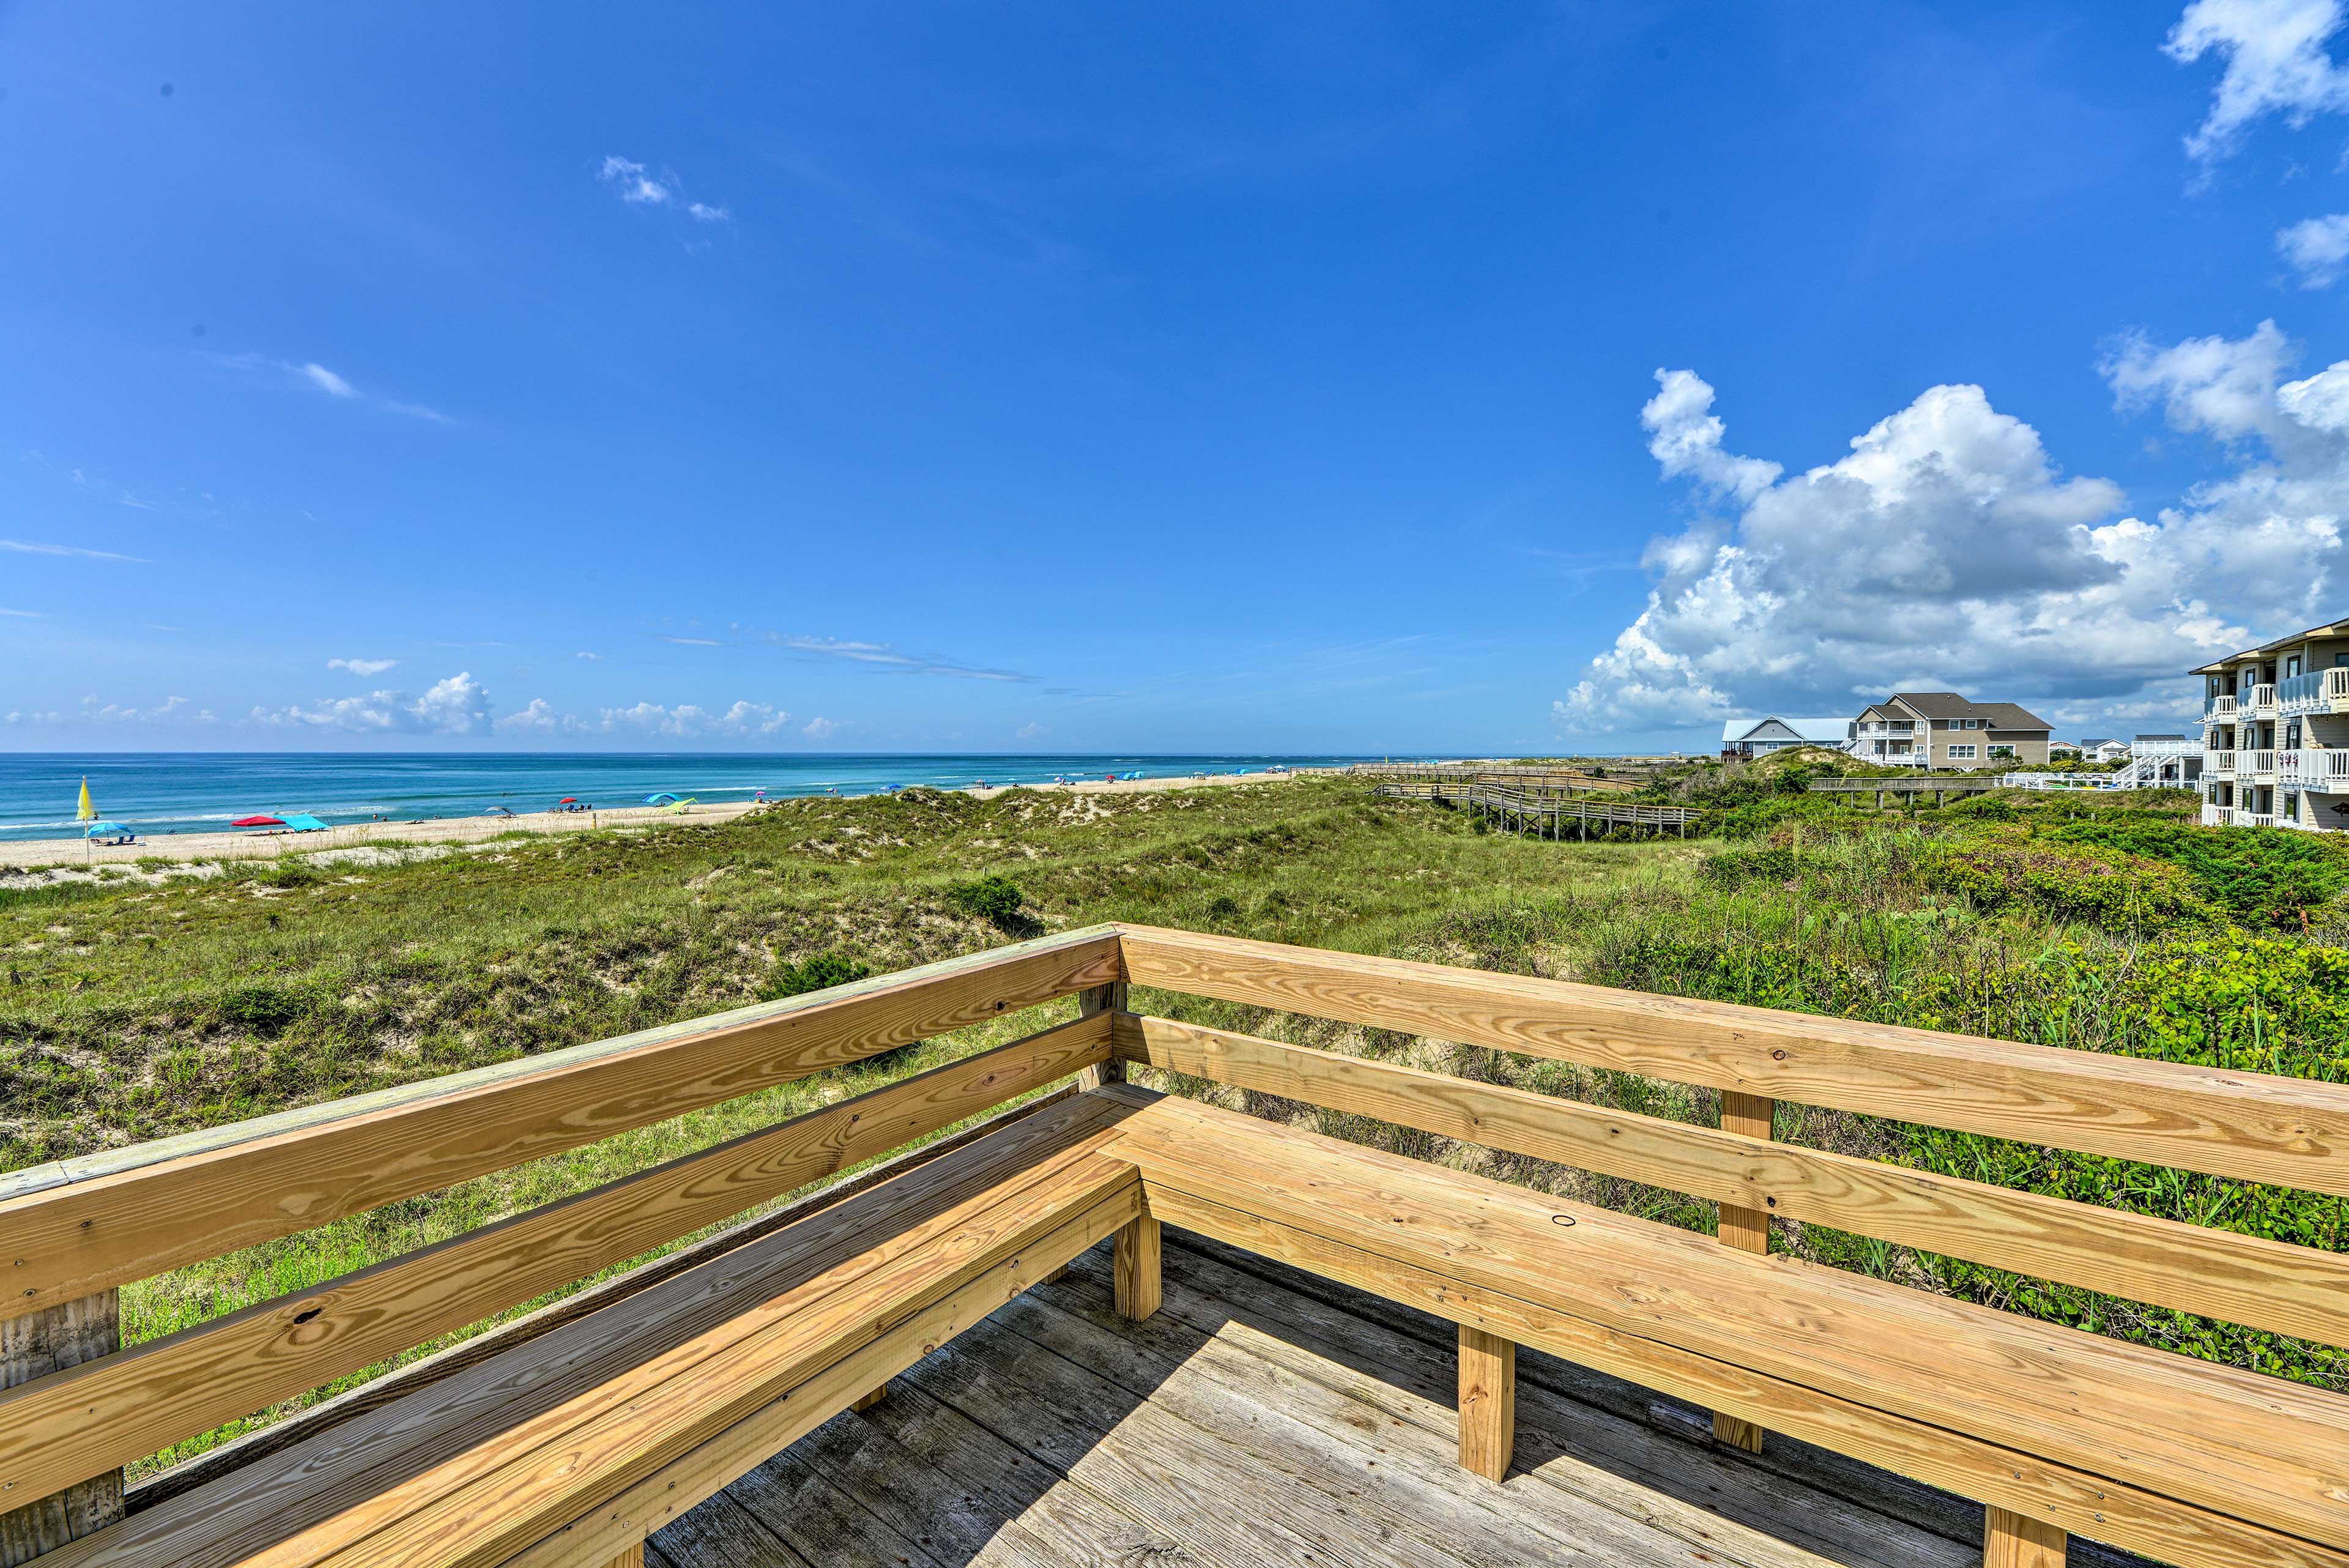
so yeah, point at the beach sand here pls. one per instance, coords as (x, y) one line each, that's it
(68, 855)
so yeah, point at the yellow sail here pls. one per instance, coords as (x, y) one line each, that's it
(87, 812)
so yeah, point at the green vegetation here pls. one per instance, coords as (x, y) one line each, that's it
(134, 1009)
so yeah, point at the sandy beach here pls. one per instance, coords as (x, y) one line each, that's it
(72, 854)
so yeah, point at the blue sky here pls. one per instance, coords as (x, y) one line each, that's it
(1301, 378)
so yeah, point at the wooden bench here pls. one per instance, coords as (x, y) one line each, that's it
(566, 1438)
(2065, 1430)
(574, 1447)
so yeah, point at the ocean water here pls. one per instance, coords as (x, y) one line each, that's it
(165, 792)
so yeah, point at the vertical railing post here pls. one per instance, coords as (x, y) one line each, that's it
(2012, 1540)
(1092, 1000)
(51, 1339)
(1748, 1230)
(1489, 1402)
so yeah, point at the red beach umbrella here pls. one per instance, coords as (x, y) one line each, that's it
(258, 822)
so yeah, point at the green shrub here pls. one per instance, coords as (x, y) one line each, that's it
(264, 1009)
(1772, 862)
(821, 972)
(2262, 877)
(992, 899)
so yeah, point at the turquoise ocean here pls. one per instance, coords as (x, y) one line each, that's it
(165, 792)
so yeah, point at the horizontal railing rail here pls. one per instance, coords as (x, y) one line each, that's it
(84, 1226)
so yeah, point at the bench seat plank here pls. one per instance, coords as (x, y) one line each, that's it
(330, 1494)
(2256, 1450)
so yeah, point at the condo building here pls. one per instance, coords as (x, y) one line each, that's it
(2275, 733)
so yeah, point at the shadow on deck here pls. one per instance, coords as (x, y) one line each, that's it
(1268, 1416)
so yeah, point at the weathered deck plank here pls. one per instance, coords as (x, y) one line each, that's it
(1264, 1416)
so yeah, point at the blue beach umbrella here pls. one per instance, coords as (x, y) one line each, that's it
(107, 830)
(302, 822)
(663, 798)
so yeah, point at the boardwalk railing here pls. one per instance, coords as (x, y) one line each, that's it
(1453, 773)
(1552, 811)
(563, 1438)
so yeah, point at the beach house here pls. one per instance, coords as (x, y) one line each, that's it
(2275, 733)
(1746, 738)
(1944, 730)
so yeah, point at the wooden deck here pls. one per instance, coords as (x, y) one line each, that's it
(1266, 1416)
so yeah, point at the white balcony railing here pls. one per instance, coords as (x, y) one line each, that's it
(2213, 815)
(2264, 764)
(2254, 818)
(2219, 710)
(2263, 699)
(2219, 762)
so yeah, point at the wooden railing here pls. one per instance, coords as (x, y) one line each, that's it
(1454, 773)
(2243, 1126)
(74, 1230)
(2202, 1464)
(1550, 810)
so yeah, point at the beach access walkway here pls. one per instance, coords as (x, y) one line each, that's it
(1298, 1350)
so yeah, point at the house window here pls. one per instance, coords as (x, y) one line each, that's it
(1961, 753)
(2002, 750)
(1969, 724)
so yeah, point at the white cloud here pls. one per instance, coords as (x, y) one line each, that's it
(95, 712)
(883, 656)
(27, 547)
(455, 706)
(821, 729)
(1947, 551)
(538, 719)
(703, 213)
(318, 379)
(634, 182)
(2276, 64)
(1029, 731)
(326, 382)
(685, 721)
(1684, 435)
(362, 667)
(2317, 248)
(27, 614)
(586, 656)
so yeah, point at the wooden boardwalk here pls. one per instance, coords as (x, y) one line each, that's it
(1266, 1416)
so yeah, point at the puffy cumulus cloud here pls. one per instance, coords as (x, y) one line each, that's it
(1947, 550)
(2276, 63)
(455, 706)
(1684, 435)
(2317, 248)
(821, 729)
(362, 667)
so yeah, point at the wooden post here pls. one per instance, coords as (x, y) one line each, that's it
(52, 1339)
(1489, 1402)
(1109, 997)
(1748, 1230)
(1137, 1280)
(2018, 1541)
(866, 1401)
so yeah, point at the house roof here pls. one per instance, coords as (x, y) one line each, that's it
(2161, 737)
(2097, 741)
(1951, 705)
(2218, 666)
(1819, 731)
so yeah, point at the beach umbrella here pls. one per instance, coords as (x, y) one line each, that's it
(258, 822)
(106, 830)
(663, 798)
(568, 800)
(84, 812)
(302, 822)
